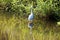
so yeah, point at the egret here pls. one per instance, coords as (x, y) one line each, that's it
(30, 19)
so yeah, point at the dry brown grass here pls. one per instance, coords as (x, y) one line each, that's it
(16, 29)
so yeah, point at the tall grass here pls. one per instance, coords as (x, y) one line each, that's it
(17, 29)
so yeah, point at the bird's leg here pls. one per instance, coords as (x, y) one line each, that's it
(30, 31)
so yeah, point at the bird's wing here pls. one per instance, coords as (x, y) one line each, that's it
(30, 17)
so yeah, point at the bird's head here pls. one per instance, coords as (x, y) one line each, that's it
(31, 6)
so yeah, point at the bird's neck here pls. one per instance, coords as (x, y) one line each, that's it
(31, 11)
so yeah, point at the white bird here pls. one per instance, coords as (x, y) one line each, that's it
(31, 16)
(30, 19)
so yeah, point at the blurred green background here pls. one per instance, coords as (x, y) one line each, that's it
(14, 23)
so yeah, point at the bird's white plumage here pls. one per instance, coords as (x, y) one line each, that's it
(31, 16)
